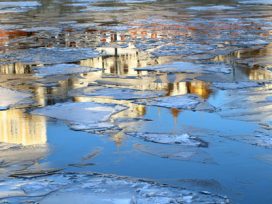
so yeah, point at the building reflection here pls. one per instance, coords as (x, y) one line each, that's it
(250, 64)
(19, 128)
(15, 68)
(7, 35)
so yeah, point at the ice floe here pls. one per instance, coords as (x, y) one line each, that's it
(236, 85)
(62, 69)
(164, 138)
(256, 2)
(99, 189)
(87, 116)
(211, 8)
(10, 98)
(186, 102)
(250, 104)
(188, 67)
(49, 55)
(116, 93)
(15, 157)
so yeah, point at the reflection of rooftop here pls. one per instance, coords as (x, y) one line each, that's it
(250, 63)
(122, 61)
(19, 128)
(7, 35)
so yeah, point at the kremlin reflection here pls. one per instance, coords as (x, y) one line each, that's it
(259, 62)
(16, 127)
(117, 65)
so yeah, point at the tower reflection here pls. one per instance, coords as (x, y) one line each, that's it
(19, 128)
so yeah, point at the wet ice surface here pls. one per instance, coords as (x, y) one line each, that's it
(17, 157)
(11, 98)
(187, 102)
(82, 116)
(253, 105)
(187, 67)
(211, 8)
(235, 85)
(99, 188)
(48, 55)
(265, 2)
(62, 69)
(182, 139)
(178, 92)
(117, 93)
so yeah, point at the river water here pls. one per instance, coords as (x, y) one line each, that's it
(177, 92)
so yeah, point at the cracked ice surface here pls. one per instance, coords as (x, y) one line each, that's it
(49, 55)
(188, 102)
(62, 69)
(99, 189)
(256, 2)
(248, 105)
(15, 157)
(188, 67)
(10, 98)
(164, 138)
(236, 85)
(117, 93)
(211, 8)
(82, 115)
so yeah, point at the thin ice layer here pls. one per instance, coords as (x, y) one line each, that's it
(211, 8)
(236, 85)
(62, 69)
(248, 104)
(164, 138)
(117, 93)
(49, 55)
(186, 102)
(10, 98)
(176, 152)
(15, 157)
(188, 67)
(99, 189)
(82, 115)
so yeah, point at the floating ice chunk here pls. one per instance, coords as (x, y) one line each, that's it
(83, 115)
(10, 98)
(188, 102)
(117, 93)
(62, 69)
(176, 152)
(211, 8)
(188, 67)
(236, 85)
(104, 9)
(100, 189)
(164, 138)
(15, 157)
(49, 55)
(248, 105)
(255, 1)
